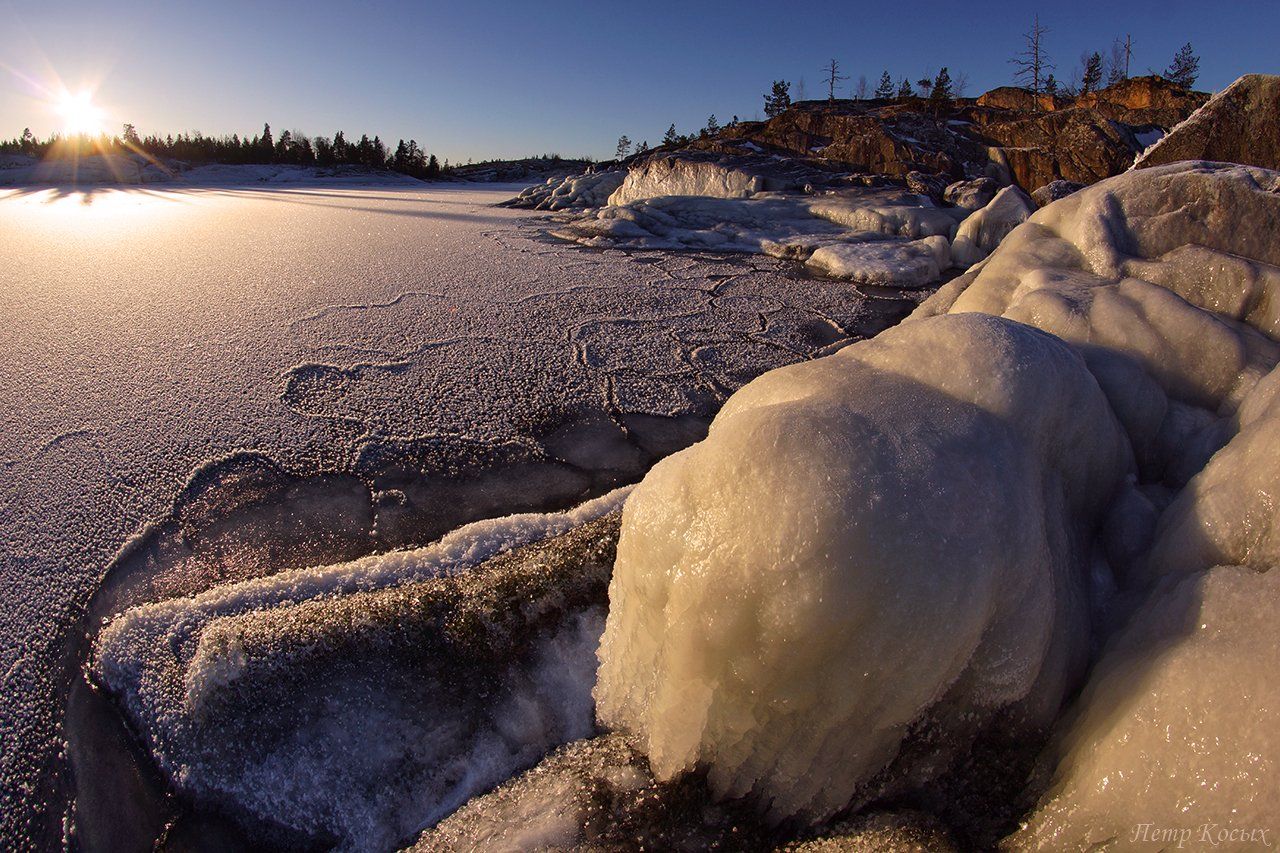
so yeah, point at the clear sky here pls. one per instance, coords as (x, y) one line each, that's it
(479, 79)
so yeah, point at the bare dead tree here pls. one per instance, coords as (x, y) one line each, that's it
(862, 89)
(833, 77)
(960, 85)
(1032, 63)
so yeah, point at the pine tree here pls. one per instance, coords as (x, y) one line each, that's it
(941, 90)
(904, 89)
(1092, 73)
(624, 147)
(266, 144)
(129, 134)
(885, 90)
(1050, 85)
(1185, 68)
(670, 137)
(433, 167)
(778, 99)
(713, 126)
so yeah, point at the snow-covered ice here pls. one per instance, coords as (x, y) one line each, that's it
(440, 360)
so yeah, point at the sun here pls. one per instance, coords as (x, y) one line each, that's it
(80, 117)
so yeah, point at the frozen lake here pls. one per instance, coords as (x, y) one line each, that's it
(434, 348)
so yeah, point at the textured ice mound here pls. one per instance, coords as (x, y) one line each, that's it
(574, 192)
(899, 531)
(352, 705)
(1179, 729)
(980, 232)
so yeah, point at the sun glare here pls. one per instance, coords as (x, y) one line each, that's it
(79, 114)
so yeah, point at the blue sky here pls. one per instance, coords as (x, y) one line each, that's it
(480, 79)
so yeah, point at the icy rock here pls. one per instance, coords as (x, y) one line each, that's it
(971, 195)
(893, 263)
(930, 186)
(1054, 190)
(595, 794)
(354, 704)
(1178, 730)
(575, 192)
(1240, 124)
(982, 230)
(944, 475)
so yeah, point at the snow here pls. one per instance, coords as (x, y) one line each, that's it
(873, 236)
(1149, 137)
(984, 229)
(432, 351)
(768, 579)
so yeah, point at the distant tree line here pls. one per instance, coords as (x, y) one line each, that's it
(289, 148)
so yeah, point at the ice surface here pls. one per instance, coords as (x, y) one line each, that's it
(769, 578)
(359, 702)
(428, 345)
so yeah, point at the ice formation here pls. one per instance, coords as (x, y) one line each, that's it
(944, 475)
(355, 704)
(575, 191)
(927, 526)
(1176, 741)
(892, 263)
(980, 232)
(869, 235)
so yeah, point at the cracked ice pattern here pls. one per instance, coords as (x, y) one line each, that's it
(329, 329)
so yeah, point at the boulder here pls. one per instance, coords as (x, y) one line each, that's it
(932, 186)
(1053, 191)
(971, 195)
(1241, 124)
(1020, 99)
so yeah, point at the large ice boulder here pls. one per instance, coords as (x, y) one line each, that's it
(893, 539)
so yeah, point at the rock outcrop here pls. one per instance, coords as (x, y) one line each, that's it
(1241, 124)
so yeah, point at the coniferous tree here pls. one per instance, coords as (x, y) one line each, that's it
(1185, 68)
(1050, 85)
(266, 145)
(885, 90)
(713, 126)
(778, 99)
(904, 89)
(624, 147)
(941, 90)
(1092, 76)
